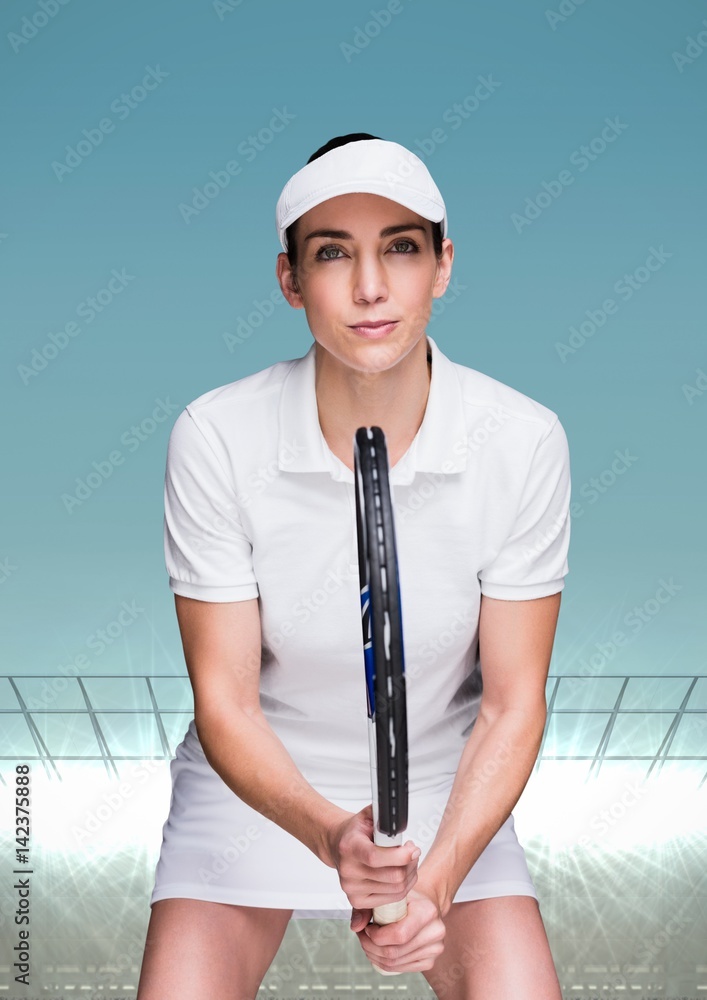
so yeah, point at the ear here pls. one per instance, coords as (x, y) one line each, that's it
(288, 281)
(444, 269)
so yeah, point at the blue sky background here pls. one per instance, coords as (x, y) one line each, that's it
(220, 72)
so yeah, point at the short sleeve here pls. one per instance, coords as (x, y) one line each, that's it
(533, 559)
(207, 553)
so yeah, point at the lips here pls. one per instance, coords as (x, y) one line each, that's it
(373, 331)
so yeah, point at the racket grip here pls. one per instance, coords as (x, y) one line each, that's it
(390, 913)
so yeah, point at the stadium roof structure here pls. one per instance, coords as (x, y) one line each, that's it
(647, 720)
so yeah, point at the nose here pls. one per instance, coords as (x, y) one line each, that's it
(370, 280)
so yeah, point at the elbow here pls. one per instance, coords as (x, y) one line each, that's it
(529, 716)
(219, 722)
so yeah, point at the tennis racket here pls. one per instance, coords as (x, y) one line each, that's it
(383, 649)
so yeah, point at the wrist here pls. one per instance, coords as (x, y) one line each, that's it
(435, 885)
(328, 834)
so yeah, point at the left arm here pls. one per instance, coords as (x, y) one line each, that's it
(515, 646)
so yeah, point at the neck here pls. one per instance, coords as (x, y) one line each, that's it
(394, 400)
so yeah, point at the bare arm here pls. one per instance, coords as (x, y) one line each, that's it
(515, 646)
(222, 649)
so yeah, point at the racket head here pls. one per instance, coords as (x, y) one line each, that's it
(381, 617)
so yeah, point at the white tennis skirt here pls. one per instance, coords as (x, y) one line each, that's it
(216, 847)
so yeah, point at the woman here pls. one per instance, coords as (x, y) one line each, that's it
(271, 807)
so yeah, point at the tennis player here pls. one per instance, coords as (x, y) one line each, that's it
(270, 817)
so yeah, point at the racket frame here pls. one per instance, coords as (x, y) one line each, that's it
(383, 648)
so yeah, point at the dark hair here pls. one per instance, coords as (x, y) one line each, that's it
(341, 140)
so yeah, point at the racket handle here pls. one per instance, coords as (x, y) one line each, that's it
(388, 913)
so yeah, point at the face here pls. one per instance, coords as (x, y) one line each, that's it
(352, 269)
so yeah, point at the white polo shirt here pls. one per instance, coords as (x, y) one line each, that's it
(257, 505)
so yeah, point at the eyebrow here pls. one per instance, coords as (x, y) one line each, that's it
(341, 234)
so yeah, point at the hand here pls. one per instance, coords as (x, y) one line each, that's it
(412, 944)
(371, 875)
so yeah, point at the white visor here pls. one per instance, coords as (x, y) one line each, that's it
(375, 166)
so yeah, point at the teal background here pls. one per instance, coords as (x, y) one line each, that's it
(67, 574)
(637, 384)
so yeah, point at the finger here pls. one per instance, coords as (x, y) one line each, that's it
(418, 964)
(372, 900)
(360, 846)
(367, 814)
(359, 919)
(405, 856)
(423, 946)
(408, 939)
(384, 868)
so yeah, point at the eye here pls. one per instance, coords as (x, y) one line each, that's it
(415, 246)
(321, 252)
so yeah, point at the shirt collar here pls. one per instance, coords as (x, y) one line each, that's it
(439, 445)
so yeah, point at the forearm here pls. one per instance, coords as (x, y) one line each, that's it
(250, 758)
(492, 773)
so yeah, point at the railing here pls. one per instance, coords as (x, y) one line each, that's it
(670, 713)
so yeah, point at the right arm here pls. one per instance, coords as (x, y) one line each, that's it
(222, 649)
